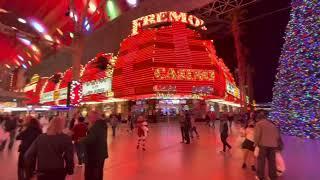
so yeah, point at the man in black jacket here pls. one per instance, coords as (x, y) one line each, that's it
(96, 147)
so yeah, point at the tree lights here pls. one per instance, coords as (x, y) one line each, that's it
(296, 95)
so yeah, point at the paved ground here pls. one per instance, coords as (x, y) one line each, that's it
(167, 159)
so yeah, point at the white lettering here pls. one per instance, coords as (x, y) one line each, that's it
(161, 17)
(96, 87)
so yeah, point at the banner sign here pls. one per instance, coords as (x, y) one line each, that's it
(61, 94)
(233, 90)
(47, 97)
(31, 87)
(230, 88)
(96, 87)
(51, 96)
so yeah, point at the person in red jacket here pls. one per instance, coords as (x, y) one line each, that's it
(79, 131)
(142, 127)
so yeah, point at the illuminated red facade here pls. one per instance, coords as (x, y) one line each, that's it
(169, 57)
(96, 69)
(49, 87)
(33, 89)
(65, 80)
(172, 61)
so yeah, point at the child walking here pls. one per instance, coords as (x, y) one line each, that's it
(142, 126)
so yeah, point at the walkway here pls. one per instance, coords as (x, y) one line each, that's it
(167, 159)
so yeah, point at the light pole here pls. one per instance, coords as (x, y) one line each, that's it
(240, 57)
(80, 20)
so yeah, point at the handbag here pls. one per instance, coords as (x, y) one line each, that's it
(256, 151)
(281, 166)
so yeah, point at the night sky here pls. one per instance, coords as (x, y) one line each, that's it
(263, 39)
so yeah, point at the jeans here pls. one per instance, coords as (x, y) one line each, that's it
(21, 167)
(270, 154)
(114, 130)
(194, 129)
(94, 171)
(224, 142)
(187, 134)
(182, 133)
(80, 152)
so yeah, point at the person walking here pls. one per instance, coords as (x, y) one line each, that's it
(79, 131)
(267, 138)
(142, 127)
(230, 119)
(114, 123)
(10, 127)
(182, 124)
(248, 147)
(224, 132)
(130, 123)
(193, 127)
(187, 127)
(95, 144)
(53, 152)
(31, 130)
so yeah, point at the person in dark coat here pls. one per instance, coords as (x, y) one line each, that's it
(224, 132)
(30, 132)
(187, 127)
(79, 131)
(182, 124)
(96, 147)
(53, 152)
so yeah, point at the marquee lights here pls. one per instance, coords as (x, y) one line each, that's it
(183, 74)
(75, 93)
(202, 90)
(167, 16)
(164, 88)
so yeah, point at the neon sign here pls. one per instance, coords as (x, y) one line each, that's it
(167, 16)
(96, 87)
(202, 90)
(51, 96)
(183, 74)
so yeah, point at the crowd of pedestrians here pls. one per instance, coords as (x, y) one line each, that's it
(56, 141)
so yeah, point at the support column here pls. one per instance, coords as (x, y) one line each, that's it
(240, 59)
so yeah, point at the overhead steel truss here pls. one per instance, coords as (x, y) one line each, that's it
(218, 8)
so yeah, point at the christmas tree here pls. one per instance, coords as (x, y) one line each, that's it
(296, 94)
